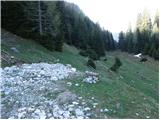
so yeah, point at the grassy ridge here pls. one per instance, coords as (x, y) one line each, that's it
(134, 89)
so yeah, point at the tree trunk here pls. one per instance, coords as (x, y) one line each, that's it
(40, 17)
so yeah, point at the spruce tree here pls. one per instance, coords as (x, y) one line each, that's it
(121, 41)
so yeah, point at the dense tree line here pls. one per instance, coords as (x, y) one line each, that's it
(51, 23)
(145, 37)
(34, 20)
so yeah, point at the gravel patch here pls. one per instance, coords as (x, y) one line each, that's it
(30, 91)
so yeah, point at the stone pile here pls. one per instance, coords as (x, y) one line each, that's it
(30, 91)
(40, 70)
(91, 77)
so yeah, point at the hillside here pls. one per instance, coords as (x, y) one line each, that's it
(132, 92)
(61, 22)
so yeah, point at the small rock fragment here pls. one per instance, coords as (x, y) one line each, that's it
(137, 114)
(75, 103)
(106, 110)
(69, 83)
(79, 112)
(101, 110)
(92, 98)
(76, 84)
(147, 117)
(87, 109)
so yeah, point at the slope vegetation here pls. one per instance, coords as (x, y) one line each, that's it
(132, 92)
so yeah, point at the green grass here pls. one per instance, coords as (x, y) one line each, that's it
(134, 87)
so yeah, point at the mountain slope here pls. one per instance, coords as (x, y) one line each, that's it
(130, 93)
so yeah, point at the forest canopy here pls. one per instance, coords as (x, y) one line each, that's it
(145, 37)
(51, 23)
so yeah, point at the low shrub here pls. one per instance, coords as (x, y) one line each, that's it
(143, 59)
(116, 65)
(89, 53)
(92, 54)
(83, 53)
(91, 63)
(105, 59)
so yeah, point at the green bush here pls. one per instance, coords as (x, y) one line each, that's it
(91, 63)
(143, 59)
(105, 59)
(155, 54)
(83, 53)
(92, 54)
(89, 53)
(116, 65)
